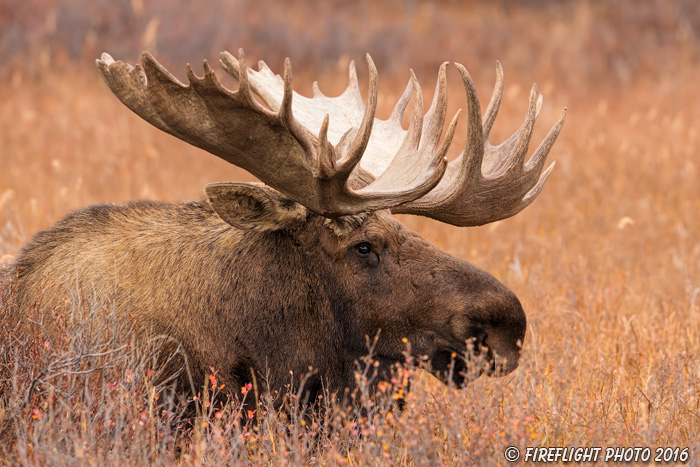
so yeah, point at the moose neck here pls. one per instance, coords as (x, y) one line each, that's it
(285, 296)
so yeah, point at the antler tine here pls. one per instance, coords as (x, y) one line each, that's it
(512, 152)
(474, 150)
(285, 112)
(402, 103)
(352, 158)
(494, 103)
(532, 194)
(487, 183)
(230, 64)
(326, 154)
(243, 82)
(538, 159)
(536, 189)
(442, 151)
(415, 130)
(353, 84)
(435, 117)
(412, 138)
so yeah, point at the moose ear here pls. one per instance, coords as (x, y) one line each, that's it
(254, 206)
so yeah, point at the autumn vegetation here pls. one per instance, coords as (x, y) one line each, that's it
(606, 262)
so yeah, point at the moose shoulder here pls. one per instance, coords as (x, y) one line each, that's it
(295, 274)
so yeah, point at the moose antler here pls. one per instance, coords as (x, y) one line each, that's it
(273, 145)
(403, 169)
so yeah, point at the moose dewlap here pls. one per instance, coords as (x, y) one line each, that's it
(296, 272)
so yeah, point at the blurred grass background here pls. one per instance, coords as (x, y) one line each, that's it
(606, 261)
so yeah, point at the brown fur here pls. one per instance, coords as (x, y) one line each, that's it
(269, 298)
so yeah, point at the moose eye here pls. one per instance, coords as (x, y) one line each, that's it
(363, 248)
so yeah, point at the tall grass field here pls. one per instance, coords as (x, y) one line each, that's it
(606, 262)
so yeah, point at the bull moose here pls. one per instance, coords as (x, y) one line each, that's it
(295, 273)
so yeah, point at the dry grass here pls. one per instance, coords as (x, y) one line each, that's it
(606, 262)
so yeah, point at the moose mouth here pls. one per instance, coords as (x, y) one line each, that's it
(459, 367)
